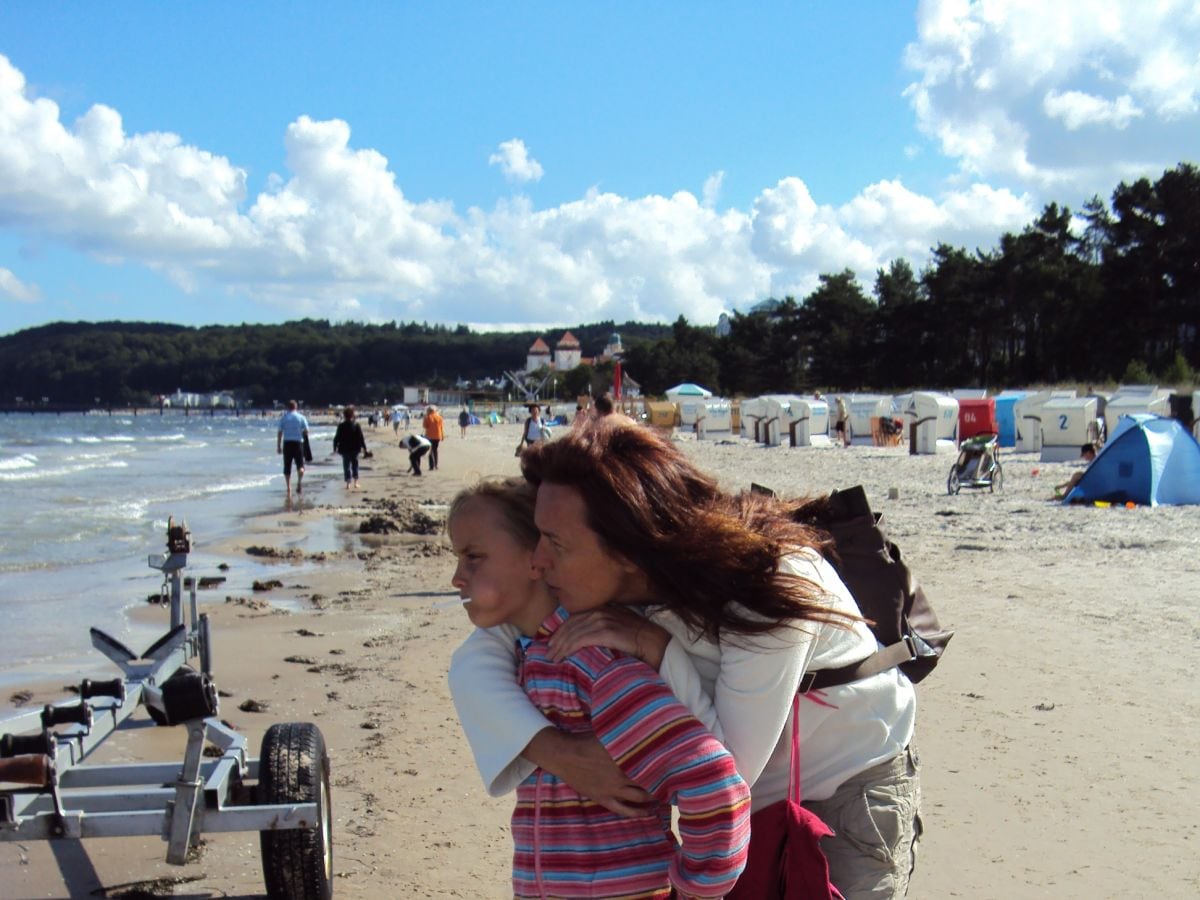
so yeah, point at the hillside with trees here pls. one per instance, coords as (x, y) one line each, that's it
(127, 363)
(1112, 293)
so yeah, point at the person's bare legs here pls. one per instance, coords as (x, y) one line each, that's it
(300, 481)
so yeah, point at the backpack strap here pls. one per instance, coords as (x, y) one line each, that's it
(885, 658)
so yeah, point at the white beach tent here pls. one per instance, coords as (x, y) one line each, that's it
(936, 419)
(810, 425)
(689, 398)
(1067, 424)
(714, 420)
(687, 389)
(863, 408)
(1028, 415)
(781, 411)
(1134, 399)
(753, 414)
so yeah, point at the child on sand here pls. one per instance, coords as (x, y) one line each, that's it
(564, 844)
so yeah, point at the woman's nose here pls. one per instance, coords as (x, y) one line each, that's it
(541, 559)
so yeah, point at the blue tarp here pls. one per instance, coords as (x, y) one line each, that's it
(1150, 460)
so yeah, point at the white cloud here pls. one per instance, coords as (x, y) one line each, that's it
(712, 188)
(334, 235)
(1046, 93)
(12, 288)
(515, 162)
(1077, 109)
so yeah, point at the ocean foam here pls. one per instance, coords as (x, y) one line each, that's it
(61, 471)
(24, 461)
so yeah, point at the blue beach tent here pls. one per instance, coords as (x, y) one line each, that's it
(1148, 459)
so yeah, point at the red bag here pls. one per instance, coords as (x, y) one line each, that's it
(785, 859)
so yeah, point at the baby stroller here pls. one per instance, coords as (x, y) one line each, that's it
(978, 465)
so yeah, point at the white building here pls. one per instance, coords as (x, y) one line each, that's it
(538, 356)
(567, 353)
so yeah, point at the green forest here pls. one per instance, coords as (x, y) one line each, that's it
(1111, 293)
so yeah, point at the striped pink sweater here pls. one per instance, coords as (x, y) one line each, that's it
(567, 846)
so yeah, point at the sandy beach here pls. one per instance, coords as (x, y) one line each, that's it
(1056, 737)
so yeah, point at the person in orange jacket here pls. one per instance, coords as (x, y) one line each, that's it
(435, 431)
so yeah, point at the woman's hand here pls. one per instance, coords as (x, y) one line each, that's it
(582, 762)
(614, 627)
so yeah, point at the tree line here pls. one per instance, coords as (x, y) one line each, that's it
(1112, 293)
(130, 363)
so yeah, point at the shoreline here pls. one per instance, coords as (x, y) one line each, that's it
(1026, 791)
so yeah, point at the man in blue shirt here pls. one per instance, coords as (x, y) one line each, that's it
(289, 440)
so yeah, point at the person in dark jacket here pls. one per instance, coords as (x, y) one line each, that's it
(348, 440)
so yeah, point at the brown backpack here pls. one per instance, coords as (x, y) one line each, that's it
(882, 584)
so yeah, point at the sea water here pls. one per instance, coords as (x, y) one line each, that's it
(84, 500)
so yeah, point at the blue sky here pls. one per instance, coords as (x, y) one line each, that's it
(550, 163)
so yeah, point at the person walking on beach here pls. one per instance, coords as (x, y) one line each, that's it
(464, 420)
(534, 430)
(289, 440)
(417, 446)
(565, 845)
(435, 433)
(734, 604)
(348, 440)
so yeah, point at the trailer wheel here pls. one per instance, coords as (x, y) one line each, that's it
(997, 479)
(952, 485)
(294, 768)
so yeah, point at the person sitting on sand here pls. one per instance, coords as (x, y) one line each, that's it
(564, 844)
(289, 440)
(1088, 454)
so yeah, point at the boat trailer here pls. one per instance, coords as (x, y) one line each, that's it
(48, 793)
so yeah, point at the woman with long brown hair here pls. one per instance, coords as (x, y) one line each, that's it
(732, 602)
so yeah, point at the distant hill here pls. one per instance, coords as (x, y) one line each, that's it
(131, 362)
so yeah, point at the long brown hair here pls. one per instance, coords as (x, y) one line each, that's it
(699, 547)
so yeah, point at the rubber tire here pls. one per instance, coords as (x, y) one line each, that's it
(294, 768)
(952, 485)
(997, 482)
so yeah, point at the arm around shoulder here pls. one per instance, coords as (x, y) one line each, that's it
(497, 717)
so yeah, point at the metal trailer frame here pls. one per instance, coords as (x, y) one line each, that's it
(63, 799)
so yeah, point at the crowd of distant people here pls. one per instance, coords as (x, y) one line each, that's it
(423, 444)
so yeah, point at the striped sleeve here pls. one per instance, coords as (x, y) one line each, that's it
(666, 751)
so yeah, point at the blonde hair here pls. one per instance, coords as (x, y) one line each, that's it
(514, 499)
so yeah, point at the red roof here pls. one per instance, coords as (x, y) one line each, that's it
(539, 346)
(567, 340)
